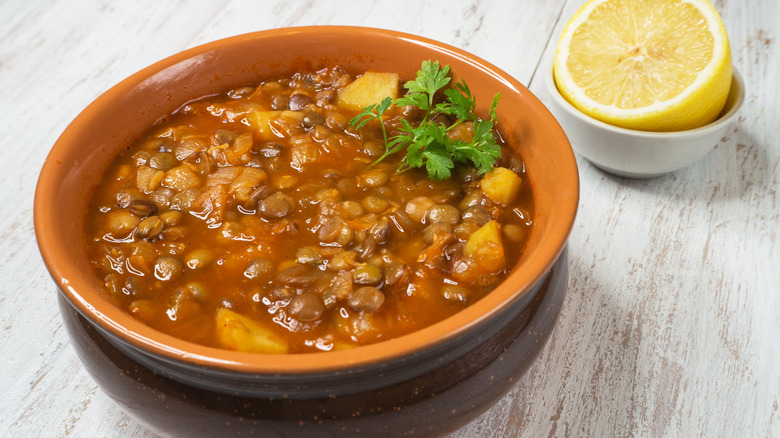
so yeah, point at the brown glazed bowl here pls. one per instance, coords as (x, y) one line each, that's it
(426, 383)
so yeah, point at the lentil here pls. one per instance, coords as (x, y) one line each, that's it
(259, 268)
(444, 214)
(149, 227)
(368, 299)
(142, 207)
(306, 307)
(263, 200)
(199, 258)
(299, 102)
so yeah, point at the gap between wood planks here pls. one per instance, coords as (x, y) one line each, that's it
(547, 45)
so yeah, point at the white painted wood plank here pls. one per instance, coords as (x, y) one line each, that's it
(669, 326)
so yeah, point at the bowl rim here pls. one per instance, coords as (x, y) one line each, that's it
(160, 344)
(736, 97)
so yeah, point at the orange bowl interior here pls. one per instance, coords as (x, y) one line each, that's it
(80, 156)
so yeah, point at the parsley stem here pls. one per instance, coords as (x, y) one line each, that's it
(427, 143)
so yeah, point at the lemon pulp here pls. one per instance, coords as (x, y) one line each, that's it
(658, 65)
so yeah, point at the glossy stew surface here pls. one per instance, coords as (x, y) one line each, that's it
(254, 220)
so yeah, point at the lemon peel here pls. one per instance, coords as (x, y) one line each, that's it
(662, 65)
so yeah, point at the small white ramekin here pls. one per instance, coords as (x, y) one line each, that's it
(640, 154)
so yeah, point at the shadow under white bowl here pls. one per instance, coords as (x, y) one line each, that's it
(641, 154)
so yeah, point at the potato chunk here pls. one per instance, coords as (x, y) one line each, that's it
(362, 326)
(147, 178)
(181, 178)
(263, 122)
(211, 204)
(247, 181)
(237, 332)
(486, 248)
(367, 90)
(501, 185)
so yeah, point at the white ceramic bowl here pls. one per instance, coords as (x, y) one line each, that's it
(641, 154)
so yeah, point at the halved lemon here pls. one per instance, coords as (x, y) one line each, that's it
(651, 65)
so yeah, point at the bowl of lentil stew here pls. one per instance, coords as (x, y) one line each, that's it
(393, 383)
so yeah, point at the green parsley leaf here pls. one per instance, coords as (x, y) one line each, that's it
(428, 144)
(460, 103)
(420, 100)
(371, 112)
(430, 79)
(438, 161)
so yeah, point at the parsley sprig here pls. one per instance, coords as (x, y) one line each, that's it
(427, 144)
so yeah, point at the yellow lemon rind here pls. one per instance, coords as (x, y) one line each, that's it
(700, 103)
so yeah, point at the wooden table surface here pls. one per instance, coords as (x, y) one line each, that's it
(671, 324)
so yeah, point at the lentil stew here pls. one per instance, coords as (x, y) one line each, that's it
(254, 220)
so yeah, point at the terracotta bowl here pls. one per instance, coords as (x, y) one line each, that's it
(429, 382)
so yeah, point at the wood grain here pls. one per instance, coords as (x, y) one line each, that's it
(670, 324)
